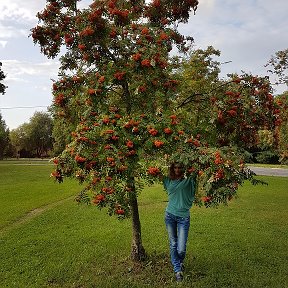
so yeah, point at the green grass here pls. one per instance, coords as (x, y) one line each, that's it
(26, 186)
(67, 245)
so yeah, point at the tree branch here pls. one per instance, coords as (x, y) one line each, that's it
(190, 98)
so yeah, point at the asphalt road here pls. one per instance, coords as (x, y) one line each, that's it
(270, 171)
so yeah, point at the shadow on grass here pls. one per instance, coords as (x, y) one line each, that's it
(155, 271)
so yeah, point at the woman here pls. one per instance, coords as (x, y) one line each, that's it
(181, 192)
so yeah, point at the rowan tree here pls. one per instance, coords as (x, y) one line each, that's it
(117, 92)
(117, 54)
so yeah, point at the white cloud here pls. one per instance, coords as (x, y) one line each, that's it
(206, 5)
(17, 70)
(44, 88)
(17, 17)
(14, 12)
(247, 33)
(20, 10)
(3, 43)
(6, 31)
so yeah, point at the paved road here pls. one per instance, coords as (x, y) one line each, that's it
(270, 171)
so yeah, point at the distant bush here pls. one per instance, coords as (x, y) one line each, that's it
(267, 157)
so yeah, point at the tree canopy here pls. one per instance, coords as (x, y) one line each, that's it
(278, 65)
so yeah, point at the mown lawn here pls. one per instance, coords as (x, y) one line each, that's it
(26, 185)
(67, 245)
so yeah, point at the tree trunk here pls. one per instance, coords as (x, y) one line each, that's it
(137, 249)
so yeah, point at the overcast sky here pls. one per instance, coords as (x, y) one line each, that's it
(247, 33)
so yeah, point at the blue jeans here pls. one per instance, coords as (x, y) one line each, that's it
(177, 228)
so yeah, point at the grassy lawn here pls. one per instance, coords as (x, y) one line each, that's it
(25, 186)
(67, 245)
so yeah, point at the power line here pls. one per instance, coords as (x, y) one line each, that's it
(23, 107)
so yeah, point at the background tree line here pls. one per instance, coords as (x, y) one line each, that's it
(32, 139)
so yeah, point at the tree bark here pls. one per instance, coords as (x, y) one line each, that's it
(137, 250)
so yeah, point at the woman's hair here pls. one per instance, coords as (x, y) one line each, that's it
(172, 171)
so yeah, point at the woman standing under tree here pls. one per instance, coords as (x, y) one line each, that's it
(181, 192)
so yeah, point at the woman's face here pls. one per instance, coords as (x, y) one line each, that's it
(178, 170)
